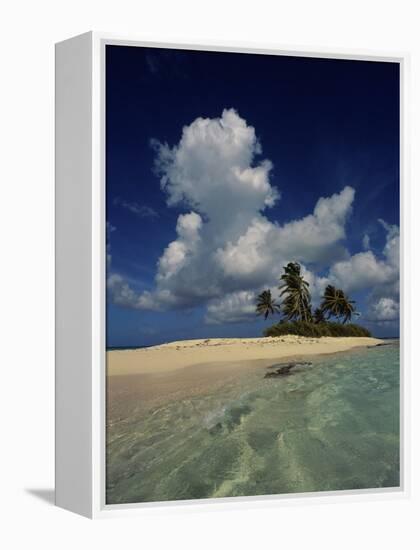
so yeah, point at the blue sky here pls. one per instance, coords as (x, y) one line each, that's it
(220, 168)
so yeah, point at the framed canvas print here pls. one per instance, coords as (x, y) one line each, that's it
(229, 307)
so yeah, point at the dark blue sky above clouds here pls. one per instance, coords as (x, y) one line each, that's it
(201, 221)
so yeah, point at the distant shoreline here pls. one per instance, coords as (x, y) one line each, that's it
(131, 348)
(122, 348)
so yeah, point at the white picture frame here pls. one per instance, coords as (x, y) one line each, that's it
(80, 276)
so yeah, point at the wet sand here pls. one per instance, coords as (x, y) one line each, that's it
(141, 377)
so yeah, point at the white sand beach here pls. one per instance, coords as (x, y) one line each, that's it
(186, 353)
(183, 369)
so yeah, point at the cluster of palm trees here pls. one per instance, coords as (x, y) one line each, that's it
(296, 300)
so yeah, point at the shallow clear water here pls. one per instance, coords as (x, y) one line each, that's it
(331, 426)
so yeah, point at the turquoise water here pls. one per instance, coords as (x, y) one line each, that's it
(331, 426)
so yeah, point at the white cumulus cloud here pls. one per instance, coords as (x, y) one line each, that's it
(380, 275)
(236, 307)
(366, 270)
(226, 244)
(226, 248)
(385, 309)
(214, 159)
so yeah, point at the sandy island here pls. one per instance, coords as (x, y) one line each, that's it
(186, 353)
(191, 367)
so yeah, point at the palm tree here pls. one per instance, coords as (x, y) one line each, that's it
(347, 308)
(336, 303)
(297, 301)
(319, 316)
(266, 305)
(330, 304)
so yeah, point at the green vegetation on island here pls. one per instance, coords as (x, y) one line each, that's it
(296, 309)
